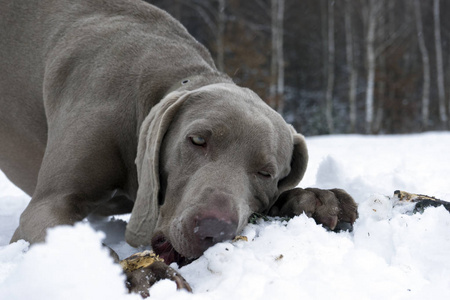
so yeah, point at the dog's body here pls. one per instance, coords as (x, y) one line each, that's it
(112, 107)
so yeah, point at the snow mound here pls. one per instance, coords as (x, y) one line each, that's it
(402, 258)
(389, 255)
(72, 264)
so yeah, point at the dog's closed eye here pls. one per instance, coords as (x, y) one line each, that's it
(265, 174)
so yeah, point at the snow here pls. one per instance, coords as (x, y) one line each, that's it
(389, 255)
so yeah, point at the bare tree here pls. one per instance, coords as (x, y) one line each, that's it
(426, 65)
(215, 18)
(364, 60)
(353, 73)
(371, 62)
(276, 89)
(220, 60)
(330, 71)
(280, 56)
(324, 36)
(384, 27)
(385, 38)
(273, 58)
(439, 63)
(177, 9)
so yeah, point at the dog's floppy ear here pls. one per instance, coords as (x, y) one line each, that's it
(146, 209)
(299, 161)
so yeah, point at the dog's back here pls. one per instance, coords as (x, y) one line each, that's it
(41, 42)
(23, 127)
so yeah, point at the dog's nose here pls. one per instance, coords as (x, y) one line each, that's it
(212, 230)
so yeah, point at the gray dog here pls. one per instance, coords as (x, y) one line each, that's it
(110, 107)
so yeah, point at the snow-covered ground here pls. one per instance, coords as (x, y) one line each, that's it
(389, 255)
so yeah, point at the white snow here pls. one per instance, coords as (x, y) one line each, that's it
(389, 255)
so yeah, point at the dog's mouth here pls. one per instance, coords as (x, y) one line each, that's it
(162, 247)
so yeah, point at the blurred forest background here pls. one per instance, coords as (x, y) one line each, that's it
(343, 66)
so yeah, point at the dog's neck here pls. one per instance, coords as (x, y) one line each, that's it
(197, 81)
(187, 83)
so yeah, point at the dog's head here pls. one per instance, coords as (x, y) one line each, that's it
(207, 159)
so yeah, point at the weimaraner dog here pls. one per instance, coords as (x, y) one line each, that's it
(111, 107)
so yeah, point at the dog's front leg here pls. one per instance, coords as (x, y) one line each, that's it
(82, 167)
(334, 208)
(42, 214)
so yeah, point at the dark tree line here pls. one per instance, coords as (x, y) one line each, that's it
(365, 66)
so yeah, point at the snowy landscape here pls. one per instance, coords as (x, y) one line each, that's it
(391, 254)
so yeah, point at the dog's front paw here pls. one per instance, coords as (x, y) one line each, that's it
(334, 208)
(139, 281)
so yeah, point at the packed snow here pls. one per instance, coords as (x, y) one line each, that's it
(391, 254)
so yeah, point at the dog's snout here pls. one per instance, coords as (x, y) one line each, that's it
(213, 230)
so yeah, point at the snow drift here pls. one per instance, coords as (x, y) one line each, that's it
(390, 254)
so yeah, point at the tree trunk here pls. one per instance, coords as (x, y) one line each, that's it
(220, 36)
(273, 58)
(426, 66)
(439, 64)
(381, 34)
(280, 57)
(276, 89)
(370, 65)
(324, 36)
(177, 10)
(353, 73)
(330, 73)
